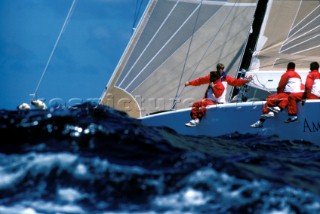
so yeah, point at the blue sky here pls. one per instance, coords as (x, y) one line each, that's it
(84, 59)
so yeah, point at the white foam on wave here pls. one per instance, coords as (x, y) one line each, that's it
(69, 195)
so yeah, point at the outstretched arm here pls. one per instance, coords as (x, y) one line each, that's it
(199, 81)
(236, 82)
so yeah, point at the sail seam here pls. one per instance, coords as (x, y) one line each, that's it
(292, 24)
(302, 41)
(151, 40)
(290, 39)
(302, 21)
(161, 49)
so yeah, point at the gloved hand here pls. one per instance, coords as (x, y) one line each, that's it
(249, 78)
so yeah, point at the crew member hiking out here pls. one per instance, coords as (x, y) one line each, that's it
(290, 83)
(312, 91)
(215, 93)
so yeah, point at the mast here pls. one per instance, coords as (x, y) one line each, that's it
(252, 41)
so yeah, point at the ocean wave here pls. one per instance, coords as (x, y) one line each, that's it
(93, 159)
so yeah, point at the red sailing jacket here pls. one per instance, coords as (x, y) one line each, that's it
(310, 84)
(219, 88)
(291, 73)
(230, 80)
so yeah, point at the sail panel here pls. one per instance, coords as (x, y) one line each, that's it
(291, 33)
(161, 37)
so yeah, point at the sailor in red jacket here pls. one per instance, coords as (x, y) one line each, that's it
(290, 82)
(228, 80)
(311, 91)
(215, 93)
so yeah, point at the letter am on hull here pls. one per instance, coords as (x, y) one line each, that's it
(180, 40)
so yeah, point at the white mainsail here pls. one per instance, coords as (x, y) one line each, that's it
(178, 40)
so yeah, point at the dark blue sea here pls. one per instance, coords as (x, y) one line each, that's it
(93, 159)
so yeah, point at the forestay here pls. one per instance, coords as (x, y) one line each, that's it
(175, 41)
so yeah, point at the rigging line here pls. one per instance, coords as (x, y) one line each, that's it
(151, 40)
(261, 86)
(136, 14)
(207, 49)
(165, 44)
(66, 21)
(186, 58)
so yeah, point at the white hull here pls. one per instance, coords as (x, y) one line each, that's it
(229, 118)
